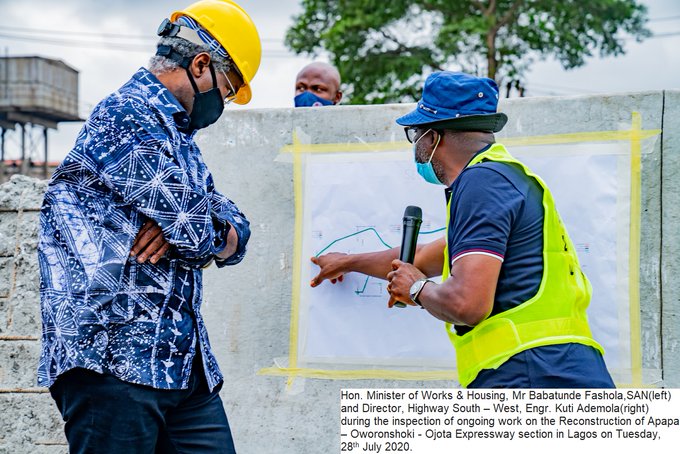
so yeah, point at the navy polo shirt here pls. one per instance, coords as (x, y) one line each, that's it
(497, 210)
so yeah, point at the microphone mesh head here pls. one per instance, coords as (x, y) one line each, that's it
(413, 212)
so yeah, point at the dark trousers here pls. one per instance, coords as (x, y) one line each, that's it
(105, 415)
(550, 366)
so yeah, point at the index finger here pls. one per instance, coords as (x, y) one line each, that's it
(316, 280)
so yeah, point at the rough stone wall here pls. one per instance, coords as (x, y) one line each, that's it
(29, 420)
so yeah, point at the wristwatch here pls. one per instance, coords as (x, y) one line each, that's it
(416, 288)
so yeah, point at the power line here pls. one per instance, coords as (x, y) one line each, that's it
(662, 19)
(79, 43)
(32, 35)
(665, 35)
(111, 46)
(40, 31)
(557, 87)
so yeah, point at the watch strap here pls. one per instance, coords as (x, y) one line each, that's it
(417, 294)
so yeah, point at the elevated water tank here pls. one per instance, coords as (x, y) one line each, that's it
(37, 90)
(35, 93)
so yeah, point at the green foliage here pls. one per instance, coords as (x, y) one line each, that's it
(385, 49)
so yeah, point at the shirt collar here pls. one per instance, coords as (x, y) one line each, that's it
(167, 102)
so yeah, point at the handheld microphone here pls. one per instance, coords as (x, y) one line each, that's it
(413, 217)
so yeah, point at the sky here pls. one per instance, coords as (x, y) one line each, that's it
(71, 31)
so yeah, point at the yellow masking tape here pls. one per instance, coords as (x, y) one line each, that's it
(634, 251)
(329, 374)
(549, 139)
(297, 261)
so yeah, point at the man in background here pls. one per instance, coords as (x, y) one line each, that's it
(317, 84)
(129, 220)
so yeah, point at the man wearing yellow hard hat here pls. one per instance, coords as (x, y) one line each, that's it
(129, 220)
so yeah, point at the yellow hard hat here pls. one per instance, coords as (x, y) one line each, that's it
(231, 26)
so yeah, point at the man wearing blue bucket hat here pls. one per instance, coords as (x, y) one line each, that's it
(513, 295)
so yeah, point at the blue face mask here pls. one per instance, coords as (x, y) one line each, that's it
(309, 99)
(425, 169)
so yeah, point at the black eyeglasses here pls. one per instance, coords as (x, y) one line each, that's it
(414, 133)
(411, 133)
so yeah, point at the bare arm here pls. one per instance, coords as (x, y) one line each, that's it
(429, 258)
(465, 298)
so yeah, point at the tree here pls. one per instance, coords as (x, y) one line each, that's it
(385, 49)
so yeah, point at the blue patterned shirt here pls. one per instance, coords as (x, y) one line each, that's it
(101, 310)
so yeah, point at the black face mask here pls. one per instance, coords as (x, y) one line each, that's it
(208, 105)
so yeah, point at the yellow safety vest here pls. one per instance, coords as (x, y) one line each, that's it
(555, 315)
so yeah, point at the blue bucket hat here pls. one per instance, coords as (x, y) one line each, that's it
(457, 101)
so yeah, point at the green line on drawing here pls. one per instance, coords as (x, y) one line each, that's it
(359, 292)
(429, 232)
(354, 234)
(376, 234)
(363, 289)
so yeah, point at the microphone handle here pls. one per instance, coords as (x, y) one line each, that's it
(409, 239)
(409, 242)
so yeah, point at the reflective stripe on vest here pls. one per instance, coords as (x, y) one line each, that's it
(555, 315)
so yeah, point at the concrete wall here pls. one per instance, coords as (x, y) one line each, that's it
(248, 307)
(669, 283)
